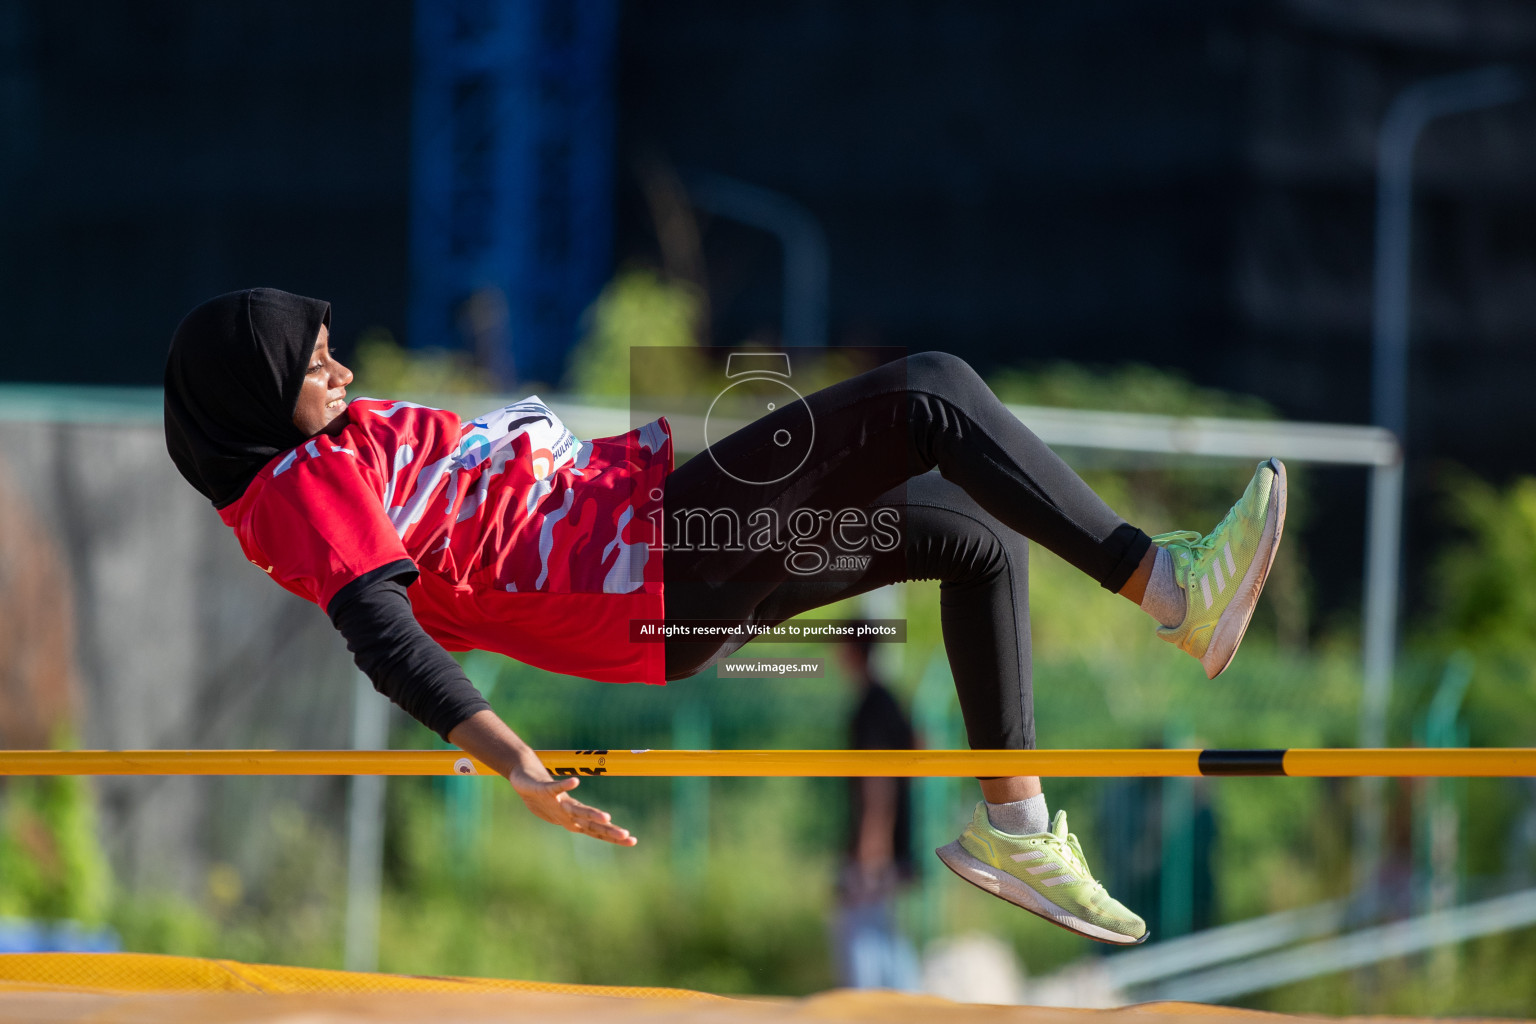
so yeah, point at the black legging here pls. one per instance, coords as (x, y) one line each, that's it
(876, 437)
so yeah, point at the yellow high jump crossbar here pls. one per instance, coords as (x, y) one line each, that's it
(1333, 763)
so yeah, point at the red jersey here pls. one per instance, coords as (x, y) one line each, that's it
(529, 542)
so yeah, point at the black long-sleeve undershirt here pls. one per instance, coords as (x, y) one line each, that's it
(374, 614)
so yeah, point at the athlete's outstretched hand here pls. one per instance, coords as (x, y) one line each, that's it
(494, 743)
(550, 799)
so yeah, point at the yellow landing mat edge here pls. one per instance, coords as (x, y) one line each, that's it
(147, 972)
(141, 988)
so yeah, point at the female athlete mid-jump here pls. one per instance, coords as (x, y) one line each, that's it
(419, 534)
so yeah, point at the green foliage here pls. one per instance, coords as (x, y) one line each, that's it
(288, 905)
(286, 909)
(532, 901)
(1484, 581)
(1483, 602)
(638, 308)
(382, 368)
(1130, 388)
(51, 863)
(162, 922)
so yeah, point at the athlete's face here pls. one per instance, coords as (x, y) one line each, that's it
(322, 405)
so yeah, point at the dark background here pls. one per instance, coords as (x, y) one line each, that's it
(1188, 184)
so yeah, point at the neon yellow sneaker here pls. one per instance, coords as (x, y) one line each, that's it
(1045, 874)
(1223, 572)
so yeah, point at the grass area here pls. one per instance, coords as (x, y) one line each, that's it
(531, 901)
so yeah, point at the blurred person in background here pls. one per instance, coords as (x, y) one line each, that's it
(869, 949)
(419, 534)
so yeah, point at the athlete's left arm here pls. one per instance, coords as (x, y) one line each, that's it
(374, 615)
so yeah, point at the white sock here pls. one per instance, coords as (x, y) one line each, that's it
(1020, 817)
(1164, 599)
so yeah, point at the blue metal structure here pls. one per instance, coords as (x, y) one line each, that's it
(22, 936)
(512, 142)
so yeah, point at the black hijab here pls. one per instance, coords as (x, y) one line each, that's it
(232, 380)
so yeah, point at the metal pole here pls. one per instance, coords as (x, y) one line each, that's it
(805, 247)
(1383, 545)
(1413, 109)
(365, 833)
(1405, 121)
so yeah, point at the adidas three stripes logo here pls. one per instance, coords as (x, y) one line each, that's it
(1221, 580)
